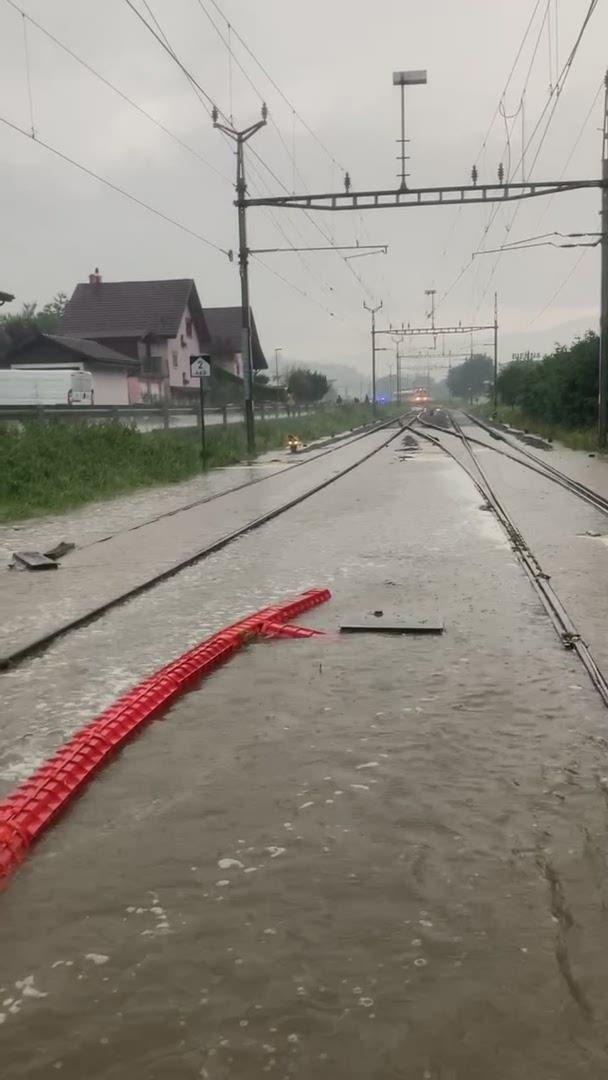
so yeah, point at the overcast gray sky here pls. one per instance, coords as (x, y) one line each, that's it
(334, 61)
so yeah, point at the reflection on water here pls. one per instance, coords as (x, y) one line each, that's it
(345, 857)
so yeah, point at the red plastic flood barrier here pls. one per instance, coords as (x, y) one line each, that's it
(285, 630)
(30, 809)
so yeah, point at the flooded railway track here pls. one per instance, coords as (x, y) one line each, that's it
(569, 634)
(43, 641)
(528, 460)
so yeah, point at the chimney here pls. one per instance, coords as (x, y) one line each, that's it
(95, 279)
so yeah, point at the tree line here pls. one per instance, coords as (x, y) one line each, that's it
(31, 320)
(561, 389)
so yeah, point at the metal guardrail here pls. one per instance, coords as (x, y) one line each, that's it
(164, 414)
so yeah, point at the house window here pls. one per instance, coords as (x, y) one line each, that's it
(152, 365)
(174, 357)
(188, 327)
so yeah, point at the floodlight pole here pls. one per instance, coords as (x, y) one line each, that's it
(403, 176)
(403, 79)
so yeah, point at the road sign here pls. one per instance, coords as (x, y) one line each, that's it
(200, 365)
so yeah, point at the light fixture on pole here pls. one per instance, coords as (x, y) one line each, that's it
(403, 79)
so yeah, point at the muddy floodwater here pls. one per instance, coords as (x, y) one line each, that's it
(358, 856)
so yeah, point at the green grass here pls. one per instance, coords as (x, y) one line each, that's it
(50, 467)
(575, 438)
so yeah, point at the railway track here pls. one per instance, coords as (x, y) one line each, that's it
(337, 443)
(43, 641)
(565, 628)
(527, 460)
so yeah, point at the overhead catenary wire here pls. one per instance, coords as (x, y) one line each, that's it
(232, 58)
(575, 146)
(294, 287)
(208, 103)
(112, 86)
(28, 74)
(278, 89)
(291, 154)
(484, 141)
(497, 208)
(115, 187)
(164, 43)
(554, 97)
(559, 290)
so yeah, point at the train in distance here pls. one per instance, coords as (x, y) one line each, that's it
(416, 395)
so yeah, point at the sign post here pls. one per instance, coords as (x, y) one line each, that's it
(200, 368)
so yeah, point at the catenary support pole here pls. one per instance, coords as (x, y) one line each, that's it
(603, 358)
(373, 314)
(240, 138)
(495, 388)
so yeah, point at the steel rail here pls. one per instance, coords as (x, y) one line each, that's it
(566, 630)
(338, 443)
(40, 644)
(575, 487)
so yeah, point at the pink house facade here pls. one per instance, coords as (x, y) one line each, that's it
(159, 325)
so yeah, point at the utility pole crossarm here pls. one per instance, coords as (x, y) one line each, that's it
(434, 196)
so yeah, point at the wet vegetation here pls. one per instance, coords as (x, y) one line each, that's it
(555, 397)
(559, 389)
(49, 467)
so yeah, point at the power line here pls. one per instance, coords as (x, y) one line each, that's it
(227, 43)
(114, 187)
(326, 234)
(162, 39)
(559, 289)
(279, 90)
(88, 67)
(575, 147)
(555, 97)
(295, 288)
(483, 147)
(28, 75)
(164, 43)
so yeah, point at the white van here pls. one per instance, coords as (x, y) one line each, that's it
(51, 386)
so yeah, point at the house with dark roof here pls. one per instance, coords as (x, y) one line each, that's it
(157, 324)
(225, 336)
(110, 369)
